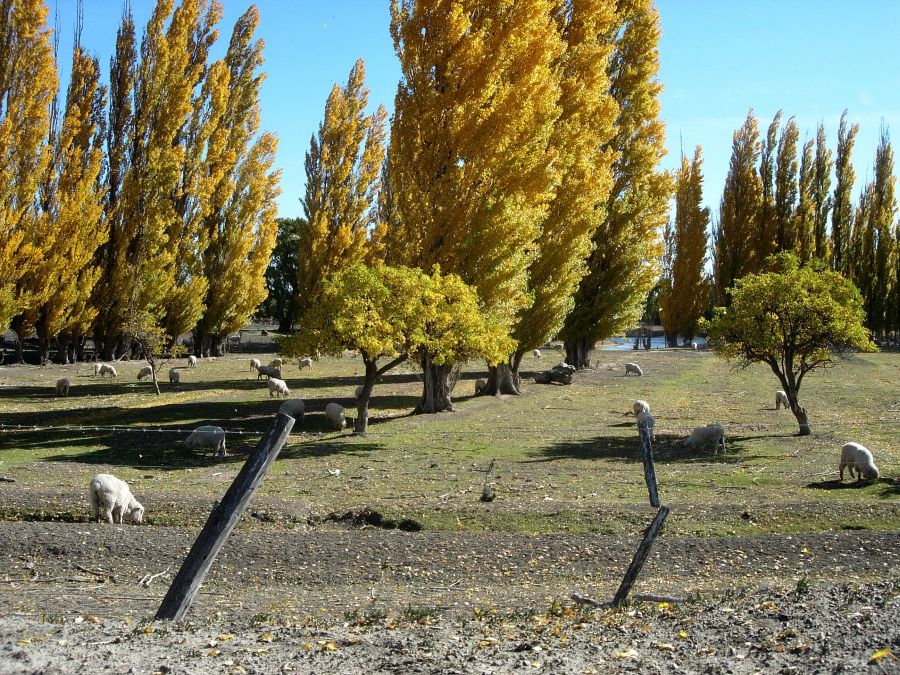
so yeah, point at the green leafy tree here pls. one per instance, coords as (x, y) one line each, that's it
(795, 319)
(786, 235)
(281, 274)
(879, 236)
(734, 239)
(824, 165)
(391, 314)
(842, 204)
(805, 215)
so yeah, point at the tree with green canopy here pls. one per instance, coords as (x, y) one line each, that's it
(795, 319)
(391, 314)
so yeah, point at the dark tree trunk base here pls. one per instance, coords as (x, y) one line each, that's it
(436, 390)
(502, 379)
(578, 353)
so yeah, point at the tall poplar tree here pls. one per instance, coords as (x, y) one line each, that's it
(239, 220)
(821, 186)
(805, 215)
(624, 263)
(581, 138)
(842, 203)
(472, 168)
(879, 247)
(735, 236)
(786, 235)
(28, 83)
(343, 170)
(683, 292)
(766, 224)
(72, 222)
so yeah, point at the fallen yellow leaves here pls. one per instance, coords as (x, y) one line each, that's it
(882, 653)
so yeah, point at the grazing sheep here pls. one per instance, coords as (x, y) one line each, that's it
(334, 412)
(305, 362)
(640, 406)
(174, 376)
(480, 384)
(537, 353)
(254, 364)
(114, 497)
(645, 419)
(62, 387)
(278, 387)
(207, 436)
(277, 362)
(859, 457)
(781, 400)
(268, 371)
(703, 437)
(633, 369)
(295, 408)
(104, 369)
(144, 373)
(192, 361)
(97, 368)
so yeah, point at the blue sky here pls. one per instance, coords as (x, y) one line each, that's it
(810, 58)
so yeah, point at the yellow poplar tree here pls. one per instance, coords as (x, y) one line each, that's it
(28, 83)
(242, 184)
(72, 221)
(343, 168)
(624, 263)
(472, 167)
(824, 164)
(805, 215)
(581, 138)
(683, 291)
(842, 201)
(786, 236)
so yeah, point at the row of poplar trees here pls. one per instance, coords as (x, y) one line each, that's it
(147, 205)
(778, 196)
(523, 157)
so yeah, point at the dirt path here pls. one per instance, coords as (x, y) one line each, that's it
(389, 601)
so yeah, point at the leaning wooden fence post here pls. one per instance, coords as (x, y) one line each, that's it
(640, 556)
(222, 520)
(649, 471)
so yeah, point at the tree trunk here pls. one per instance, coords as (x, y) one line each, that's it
(504, 378)
(578, 352)
(217, 345)
(153, 375)
(436, 390)
(361, 425)
(43, 349)
(800, 413)
(63, 342)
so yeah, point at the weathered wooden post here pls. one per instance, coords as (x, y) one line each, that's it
(222, 520)
(649, 471)
(640, 556)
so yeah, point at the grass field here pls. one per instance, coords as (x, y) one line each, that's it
(566, 457)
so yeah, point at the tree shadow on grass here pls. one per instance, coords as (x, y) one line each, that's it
(667, 449)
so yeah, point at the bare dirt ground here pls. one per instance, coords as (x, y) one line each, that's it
(328, 599)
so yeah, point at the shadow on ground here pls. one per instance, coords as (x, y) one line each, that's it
(887, 487)
(667, 448)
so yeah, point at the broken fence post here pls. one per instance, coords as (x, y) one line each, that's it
(649, 471)
(222, 520)
(640, 556)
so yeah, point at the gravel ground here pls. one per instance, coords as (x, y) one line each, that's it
(333, 600)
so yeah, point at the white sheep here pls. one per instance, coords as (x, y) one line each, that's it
(192, 361)
(278, 387)
(640, 406)
(174, 376)
(268, 371)
(294, 408)
(480, 384)
(334, 412)
(305, 362)
(537, 353)
(104, 369)
(115, 498)
(62, 387)
(254, 364)
(277, 362)
(694, 346)
(645, 419)
(859, 457)
(207, 436)
(703, 437)
(633, 369)
(781, 400)
(144, 373)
